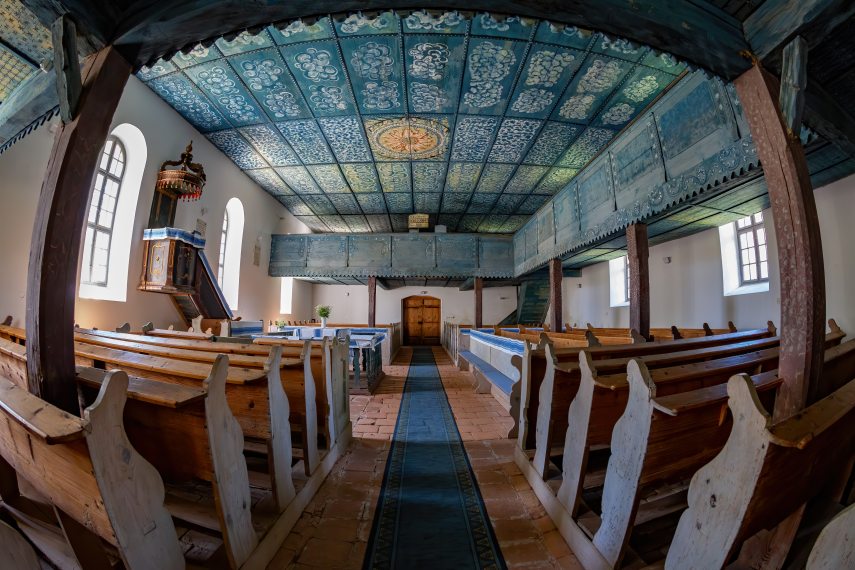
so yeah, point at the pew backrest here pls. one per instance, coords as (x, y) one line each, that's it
(835, 547)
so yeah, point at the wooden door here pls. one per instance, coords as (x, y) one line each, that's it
(421, 320)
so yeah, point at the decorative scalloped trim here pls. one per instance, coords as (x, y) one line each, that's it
(38, 122)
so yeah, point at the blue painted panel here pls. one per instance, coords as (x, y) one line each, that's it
(496, 253)
(399, 202)
(317, 68)
(409, 251)
(532, 203)
(378, 223)
(296, 205)
(298, 179)
(637, 164)
(620, 48)
(361, 177)
(545, 76)
(494, 178)
(374, 67)
(236, 148)
(427, 203)
(638, 91)
(513, 139)
(223, 88)
(530, 230)
(314, 223)
(473, 136)
(372, 203)
(326, 251)
(307, 141)
(270, 181)
(370, 251)
(428, 176)
(158, 68)
(394, 176)
(462, 177)
(569, 36)
(288, 251)
(271, 84)
(491, 68)
(346, 138)
(357, 223)
(586, 147)
(344, 203)
(591, 86)
(506, 27)
(271, 145)
(688, 120)
(509, 203)
(359, 24)
(455, 203)
(434, 68)
(199, 54)
(456, 252)
(482, 203)
(566, 215)
(299, 31)
(336, 223)
(470, 223)
(444, 23)
(189, 101)
(319, 204)
(525, 179)
(545, 229)
(555, 180)
(551, 143)
(329, 178)
(596, 194)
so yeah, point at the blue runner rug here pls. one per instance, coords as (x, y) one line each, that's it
(430, 513)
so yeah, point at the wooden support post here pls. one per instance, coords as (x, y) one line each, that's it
(799, 244)
(55, 249)
(479, 302)
(556, 273)
(372, 301)
(637, 263)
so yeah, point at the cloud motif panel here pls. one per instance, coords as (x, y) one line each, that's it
(354, 121)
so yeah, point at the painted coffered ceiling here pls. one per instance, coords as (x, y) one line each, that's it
(24, 45)
(353, 122)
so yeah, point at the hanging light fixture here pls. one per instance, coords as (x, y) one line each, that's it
(187, 181)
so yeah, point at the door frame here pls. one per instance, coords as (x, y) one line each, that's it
(404, 329)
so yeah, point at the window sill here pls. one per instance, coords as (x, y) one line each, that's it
(748, 289)
(624, 304)
(97, 293)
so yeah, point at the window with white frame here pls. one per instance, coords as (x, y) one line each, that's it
(102, 213)
(745, 260)
(753, 260)
(223, 237)
(109, 229)
(231, 241)
(286, 295)
(619, 282)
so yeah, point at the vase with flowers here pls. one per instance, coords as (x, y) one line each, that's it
(324, 313)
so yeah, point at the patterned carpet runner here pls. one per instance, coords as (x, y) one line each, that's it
(430, 513)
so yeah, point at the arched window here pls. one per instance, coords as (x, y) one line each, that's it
(223, 236)
(102, 213)
(231, 240)
(109, 225)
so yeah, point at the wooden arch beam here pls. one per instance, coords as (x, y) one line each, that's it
(61, 210)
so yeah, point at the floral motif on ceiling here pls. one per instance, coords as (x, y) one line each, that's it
(354, 121)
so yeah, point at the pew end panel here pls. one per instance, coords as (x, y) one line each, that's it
(763, 474)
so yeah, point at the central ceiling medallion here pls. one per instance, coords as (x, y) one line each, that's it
(407, 138)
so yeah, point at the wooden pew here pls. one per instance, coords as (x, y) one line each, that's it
(550, 386)
(658, 441)
(14, 334)
(91, 473)
(255, 397)
(15, 552)
(835, 547)
(13, 362)
(190, 433)
(601, 401)
(186, 335)
(763, 474)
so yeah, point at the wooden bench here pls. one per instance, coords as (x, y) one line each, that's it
(658, 441)
(186, 335)
(601, 401)
(92, 475)
(13, 362)
(550, 386)
(190, 433)
(763, 474)
(835, 547)
(14, 334)
(15, 551)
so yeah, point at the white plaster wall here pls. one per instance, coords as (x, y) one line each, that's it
(167, 133)
(350, 303)
(835, 205)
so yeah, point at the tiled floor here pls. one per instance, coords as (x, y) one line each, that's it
(333, 531)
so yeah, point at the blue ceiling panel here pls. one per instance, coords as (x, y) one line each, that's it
(227, 92)
(373, 203)
(354, 121)
(314, 223)
(270, 144)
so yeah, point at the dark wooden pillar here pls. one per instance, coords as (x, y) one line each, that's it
(372, 301)
(637, 263)
(799, 246)
(55, 249)
(479, 302)
(556, 273)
